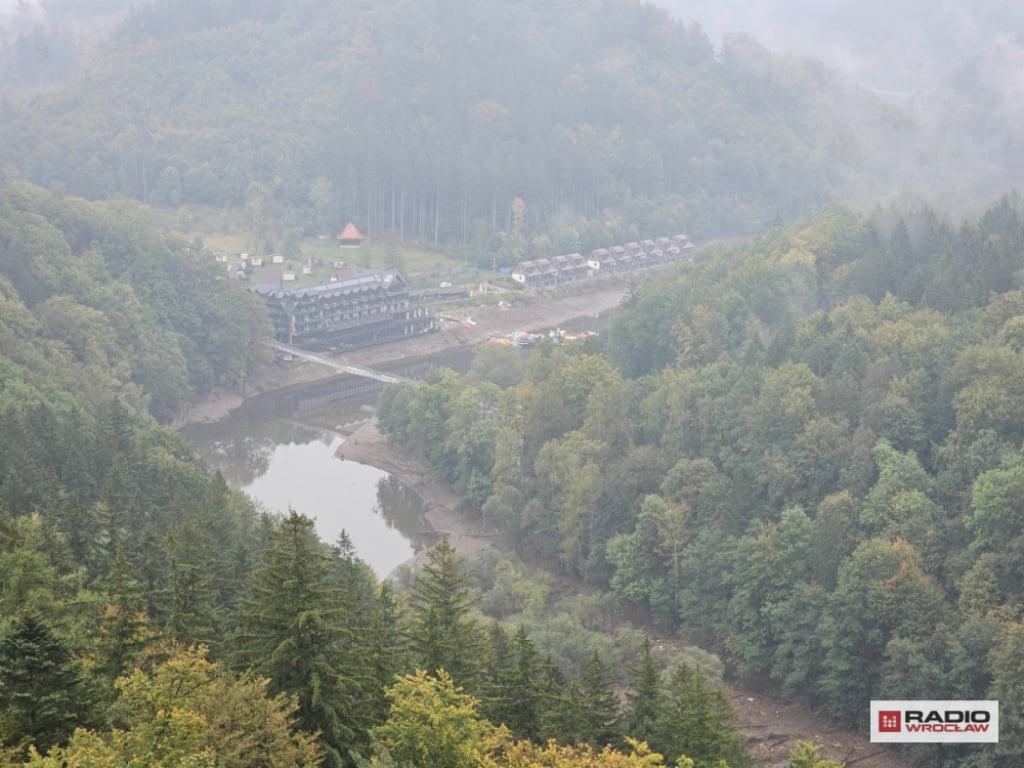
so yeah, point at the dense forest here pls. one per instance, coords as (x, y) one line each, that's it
(149, 615)
(421, 120)
(952, 65)
(803, 451)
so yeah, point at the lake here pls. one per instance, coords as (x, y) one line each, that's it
(280, 449)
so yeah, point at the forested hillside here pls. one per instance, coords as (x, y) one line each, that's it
(98, 304)
(804, 451)
(427, 121)
(149, 615)
(952, 65)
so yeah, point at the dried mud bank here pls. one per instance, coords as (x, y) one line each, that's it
(441, 504)
(478, 323)
(771, 723)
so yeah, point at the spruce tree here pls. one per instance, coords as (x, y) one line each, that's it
(45, 692)
(290, 630)
(644, 695)
(587, 711)
(193, 600)
(602, 705)
(442, 634)
(697, 721)
(123, 631)
(528, 689)
(496, 686)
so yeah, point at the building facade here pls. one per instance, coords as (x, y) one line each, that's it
(359, 309)
(543, 273)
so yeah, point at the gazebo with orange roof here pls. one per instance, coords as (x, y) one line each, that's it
(350, 237)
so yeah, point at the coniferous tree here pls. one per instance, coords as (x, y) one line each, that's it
(587, 711)
(123, 631)
(193, 612)
(528, 687)
(367, 633)
(644, 698)
(289, 629)
(45, 692)
(517, 684)
(566, 719)
(602, 704)
(696, 721)
(443, 635)
(496, 699)
(384, 653)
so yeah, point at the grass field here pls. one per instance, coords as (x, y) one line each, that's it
(225, 230)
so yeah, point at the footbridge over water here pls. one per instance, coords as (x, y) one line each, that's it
(355, 370)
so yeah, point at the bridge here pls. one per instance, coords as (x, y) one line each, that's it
(355, 370)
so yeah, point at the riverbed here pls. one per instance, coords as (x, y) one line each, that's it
(303, 438)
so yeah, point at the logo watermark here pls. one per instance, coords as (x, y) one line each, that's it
(934, 721)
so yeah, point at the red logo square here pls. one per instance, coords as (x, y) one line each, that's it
(890, 721)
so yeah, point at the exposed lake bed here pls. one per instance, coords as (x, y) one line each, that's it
(303, 438)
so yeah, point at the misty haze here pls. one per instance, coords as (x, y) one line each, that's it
(510, 383)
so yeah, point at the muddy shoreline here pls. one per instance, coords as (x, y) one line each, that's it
(441, 504)
(462, 328)
(772, 723)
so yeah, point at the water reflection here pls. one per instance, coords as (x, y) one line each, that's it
(401, 508)
(280, 448)
(285, 464)
(241, 447)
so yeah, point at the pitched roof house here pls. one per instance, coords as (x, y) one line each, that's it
(350, 236)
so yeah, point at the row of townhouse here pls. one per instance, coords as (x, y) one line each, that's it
(558, 270)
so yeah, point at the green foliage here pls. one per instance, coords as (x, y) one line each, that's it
(807, 458)
(805, 477)
(644, 697)
(292, 630)
(187, 711)
(678, 133)
(517, 686)
(114, 307)
(443, 634)
(647, 562)
(696, 722)
(45, 693)
(587, 710)
(806, 755)
(882, 596)
(432, 722)
(451, 424)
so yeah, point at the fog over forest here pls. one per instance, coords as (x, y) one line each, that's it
(788, 470)
(956, 67)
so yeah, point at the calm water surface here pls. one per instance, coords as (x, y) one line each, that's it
(280, 449)
(285, 463)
